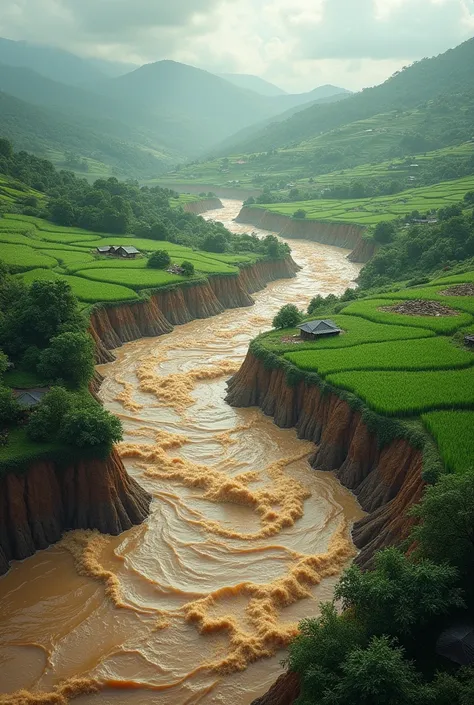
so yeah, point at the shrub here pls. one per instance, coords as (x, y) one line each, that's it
(188, 268)
(90, 426)
(299, 214)
(159, 260)
(287, 317)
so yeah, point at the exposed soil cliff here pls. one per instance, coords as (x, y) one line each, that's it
(112, 326)
(207, 204)
(347, 235)
(37, 506)
(386, 481)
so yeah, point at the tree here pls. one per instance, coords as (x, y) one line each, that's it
(188, 268)
(158, 231)
(159, 260)
(446, 529)
(374, 675)
(272, 246)
(287, 317)
(44, 310)
(45, 420)
(70, 358)
(384, 232)
(10, 410)
(90, 426)
(399, 595)
(299, 214)
(215, 243)
(320, 649)
(62, 212)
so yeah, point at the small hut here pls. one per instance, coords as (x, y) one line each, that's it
(127, 251)
(312, 330)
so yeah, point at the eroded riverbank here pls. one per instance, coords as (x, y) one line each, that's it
(244, 538)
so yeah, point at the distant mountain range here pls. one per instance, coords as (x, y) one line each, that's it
(141, 121)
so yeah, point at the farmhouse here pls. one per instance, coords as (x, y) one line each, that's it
(128, 251)
(125, 251)
(29, 398)
(318, 329)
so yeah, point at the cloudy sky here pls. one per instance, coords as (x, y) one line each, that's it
(298, 44)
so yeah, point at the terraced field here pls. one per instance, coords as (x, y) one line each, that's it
(402, 364)
(370, 211)
(36, 249)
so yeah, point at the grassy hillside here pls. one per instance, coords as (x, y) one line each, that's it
(399, 365)
(39, 250)
(370, 211)
(446, 81)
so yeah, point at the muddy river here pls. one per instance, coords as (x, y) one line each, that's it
(244, 538)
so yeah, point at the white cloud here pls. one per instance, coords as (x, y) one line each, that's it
(296, 43)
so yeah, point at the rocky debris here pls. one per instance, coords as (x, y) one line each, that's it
(420, 307)
(459, 290)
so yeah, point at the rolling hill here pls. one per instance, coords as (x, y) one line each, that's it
(447, 78)
(253, 83)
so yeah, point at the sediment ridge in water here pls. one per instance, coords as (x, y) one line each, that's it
(37, 506)
(386, 481)
(111, 326)
(347, 235)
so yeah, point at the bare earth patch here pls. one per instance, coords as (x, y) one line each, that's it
(420, 307)
(295, 339)
(459, 290)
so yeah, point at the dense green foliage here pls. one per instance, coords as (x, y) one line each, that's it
(419, 249)
(160, 259)
(68, 359)
(287, 317)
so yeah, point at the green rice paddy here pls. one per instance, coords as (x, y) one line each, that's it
(401, 365)
(37, 249)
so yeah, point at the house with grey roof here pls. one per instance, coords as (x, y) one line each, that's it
(312, 330)
(29, 398)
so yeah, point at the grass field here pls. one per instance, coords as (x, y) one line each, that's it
(405, 393)
(423, 354)
(453, 433)
(85, 290)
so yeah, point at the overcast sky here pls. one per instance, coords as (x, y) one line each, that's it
(297, 44)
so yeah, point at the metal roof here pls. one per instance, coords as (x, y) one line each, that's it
(106, 248)
(129, 249)
(320, 327)
(30, 397)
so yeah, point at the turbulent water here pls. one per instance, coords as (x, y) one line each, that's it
(244, 538)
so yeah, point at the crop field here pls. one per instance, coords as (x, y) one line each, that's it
(38, 249)
(407, 393)
(85, 290)
(369, 211)
(400, 365)
(432, 293)
(423, 354)
(453, 433)
(444, 325)
(136, 279)
(356, 331)
(22, 257)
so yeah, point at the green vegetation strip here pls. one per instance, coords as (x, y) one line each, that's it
(85, 290)
(410, 393)
(136, 279)
(423, 354)
(370, 309)
(453, 432)
(356, 331)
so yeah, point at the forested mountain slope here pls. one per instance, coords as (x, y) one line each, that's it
(446, 80)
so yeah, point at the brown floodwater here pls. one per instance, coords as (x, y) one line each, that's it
(244, 538)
